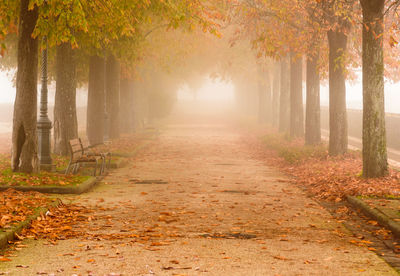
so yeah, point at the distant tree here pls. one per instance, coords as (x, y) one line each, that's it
(127, 124)
(275, 94)
(65, 118)
(284, 99)
(96, 100)
(112, 90)
(296, 96)
(313, 114)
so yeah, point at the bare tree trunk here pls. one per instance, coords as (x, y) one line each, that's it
(313, 112)
(275, 94)
(338, 140)
(127, 124)
(24, 137)
(95, 106)
(133, 111)
(284, 99)
(113, 96)
(65, 119)
(296, 96)
(374, 131)
(268, 98)
(262, 97)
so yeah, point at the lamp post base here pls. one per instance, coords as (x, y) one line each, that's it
(44, 130)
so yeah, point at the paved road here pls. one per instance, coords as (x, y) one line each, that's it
(216, 209)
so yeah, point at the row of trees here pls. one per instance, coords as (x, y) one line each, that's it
(103, 43)
(328, 34)
(98, 43)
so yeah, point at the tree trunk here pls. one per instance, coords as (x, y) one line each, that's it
(24, 138)
(65, 119)
(95, 105)
(127, 124)
(337, 94)
(268, 98)
(133, 110)
(284, 98)
(296, 96)
(262, 97)
(113, 96)
(374, 131)
(313, 112)
(275, 94)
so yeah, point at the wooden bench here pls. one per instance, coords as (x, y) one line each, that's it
(104, 155)
(80, 155)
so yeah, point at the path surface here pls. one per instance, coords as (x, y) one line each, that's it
(222, 212)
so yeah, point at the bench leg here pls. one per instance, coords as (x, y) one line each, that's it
(76, 168)
(102, 167)
(68, 168)
(95, 168)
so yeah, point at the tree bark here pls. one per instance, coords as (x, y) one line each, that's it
(24, 138)
(262, 97)
(113, 96)
(313, 112)
(96, 101)
(65, 119)
(338, 140)
(268, 98)
(375, 162)
(275, 94)
(127, 124)
(296, 96)
(284, 98)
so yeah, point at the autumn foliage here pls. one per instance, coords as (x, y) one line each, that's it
(326, 177)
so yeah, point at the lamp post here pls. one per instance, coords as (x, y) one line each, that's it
(44, 124)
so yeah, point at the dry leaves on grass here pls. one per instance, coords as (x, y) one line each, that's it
(10, 178)
(336, 177)
(327, 177)
(59, 223)
(17, 206)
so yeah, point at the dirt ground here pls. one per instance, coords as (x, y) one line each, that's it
(199, 202)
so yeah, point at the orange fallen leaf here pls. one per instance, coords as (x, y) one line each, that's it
(5, 259)
(281, 258)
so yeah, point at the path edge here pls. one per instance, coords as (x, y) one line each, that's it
(10, 234)
(375, 214)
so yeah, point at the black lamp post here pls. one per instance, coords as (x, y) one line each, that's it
(44, 124)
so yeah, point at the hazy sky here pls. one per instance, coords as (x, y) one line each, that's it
(7, 90)
(211, 91)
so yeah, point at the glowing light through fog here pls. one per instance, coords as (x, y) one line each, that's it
(212, 90)
(7, 94)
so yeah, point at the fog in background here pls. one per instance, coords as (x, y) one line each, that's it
(214, 98)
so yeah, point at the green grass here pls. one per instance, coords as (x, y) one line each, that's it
(293, 151)
(10, 178)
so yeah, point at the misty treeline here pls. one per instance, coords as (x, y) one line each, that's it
(133, 55)
(328, 41)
